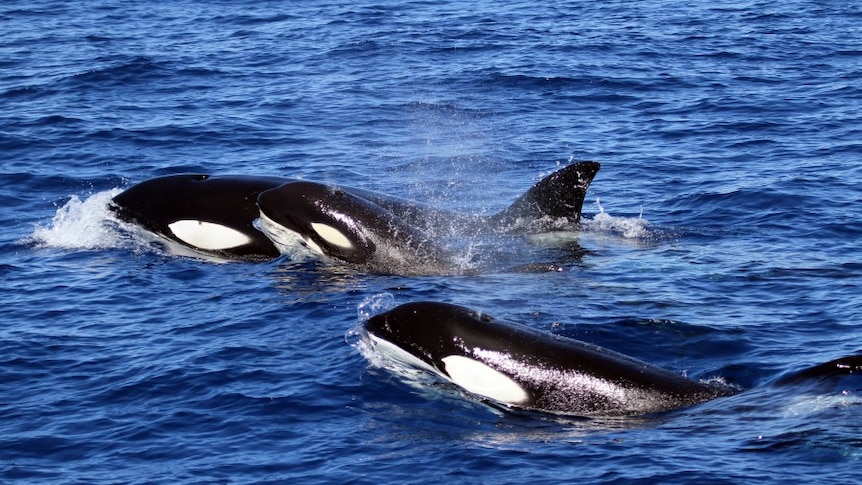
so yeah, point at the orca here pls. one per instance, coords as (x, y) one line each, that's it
(519, 367)
(390, 235)
(210, 214)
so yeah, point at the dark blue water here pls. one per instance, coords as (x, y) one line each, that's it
(722, 237)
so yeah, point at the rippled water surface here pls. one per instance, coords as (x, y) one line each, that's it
(721, 238)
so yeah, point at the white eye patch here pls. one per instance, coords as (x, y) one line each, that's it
(207, 235)
(332, 235)
(478, 378)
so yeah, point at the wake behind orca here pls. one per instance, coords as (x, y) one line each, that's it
(247, 217)
(520, 367)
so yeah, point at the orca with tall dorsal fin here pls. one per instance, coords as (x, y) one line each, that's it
(216, 215)
(389, 235)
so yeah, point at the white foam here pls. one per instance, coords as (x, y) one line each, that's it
(807, 404)
(81, 224)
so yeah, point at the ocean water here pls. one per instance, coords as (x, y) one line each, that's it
(721, 239)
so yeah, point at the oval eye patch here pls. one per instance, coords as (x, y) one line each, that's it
(483, 380)
(207, 235)
(332, 235)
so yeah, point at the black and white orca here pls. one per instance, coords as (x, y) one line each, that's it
(218, 215)
(515, 365)
(520, 367)
(390, 235)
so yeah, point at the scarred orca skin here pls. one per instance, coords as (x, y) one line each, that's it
(393, 236)
(210, 214)
(515, 365)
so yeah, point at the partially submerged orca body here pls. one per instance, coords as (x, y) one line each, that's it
(217, 215)
(520, 367)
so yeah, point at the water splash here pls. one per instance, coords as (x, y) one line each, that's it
(81, 224)
(627, 227)
(356, 336)
(374, 305)
(807, 404)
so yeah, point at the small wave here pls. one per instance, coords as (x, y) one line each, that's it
(80, 224)
(123, 71)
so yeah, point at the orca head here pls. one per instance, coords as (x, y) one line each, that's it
(447, 339)
(207, 213)
(155, 204)
(328, 219)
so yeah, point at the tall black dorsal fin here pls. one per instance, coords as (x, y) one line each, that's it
(557, 196)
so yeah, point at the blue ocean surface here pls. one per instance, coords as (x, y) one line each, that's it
(722, 238)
